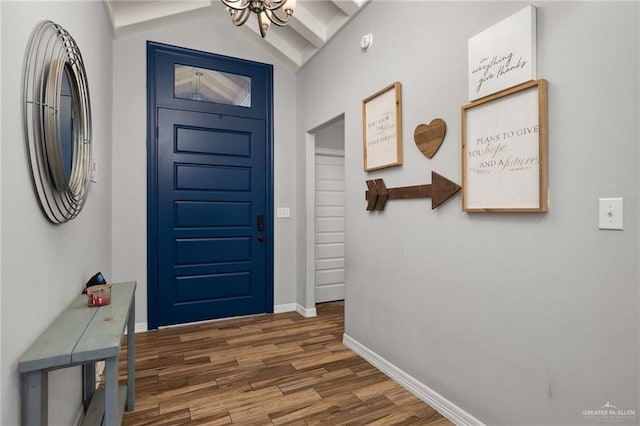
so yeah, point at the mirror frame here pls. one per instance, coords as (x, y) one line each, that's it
(53, 52)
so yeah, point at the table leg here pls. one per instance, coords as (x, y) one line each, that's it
(131, 357)
(111, 391)
(89, 371)
(35, 405)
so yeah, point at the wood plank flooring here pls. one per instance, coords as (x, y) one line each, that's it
(278, 369)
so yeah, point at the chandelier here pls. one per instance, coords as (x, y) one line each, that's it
(268, 11)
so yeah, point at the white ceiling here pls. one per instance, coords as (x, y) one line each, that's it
(310, 28)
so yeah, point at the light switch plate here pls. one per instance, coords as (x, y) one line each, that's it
(94, 171)
(283, 212)
(610, 213)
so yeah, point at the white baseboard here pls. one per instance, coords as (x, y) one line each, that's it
(445, 407)
(295, 307)
(142, 327)
(285, 307)
(307, 313)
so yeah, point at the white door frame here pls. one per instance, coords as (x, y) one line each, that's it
(311, 225)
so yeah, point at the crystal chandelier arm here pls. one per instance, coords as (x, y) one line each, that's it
(274, 4)
(273, 17)
(263, 22)
(236, 4)
(287, 6)
(277, 12)
(239, 17)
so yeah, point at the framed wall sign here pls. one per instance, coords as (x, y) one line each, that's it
(382, 128)
(504, 151)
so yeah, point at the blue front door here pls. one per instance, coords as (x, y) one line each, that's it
(210, 191)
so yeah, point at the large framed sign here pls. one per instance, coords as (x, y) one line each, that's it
(504, 151)
(382, 128)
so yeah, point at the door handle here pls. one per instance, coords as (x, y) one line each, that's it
(260, 238)
(260, 222)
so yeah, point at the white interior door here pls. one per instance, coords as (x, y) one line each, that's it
(330, 225)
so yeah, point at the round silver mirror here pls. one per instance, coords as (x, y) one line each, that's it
(57, 119)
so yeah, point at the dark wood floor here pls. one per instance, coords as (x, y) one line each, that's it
(263, 370)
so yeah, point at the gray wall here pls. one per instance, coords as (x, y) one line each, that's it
(45, 266)
(331, 137)
(516, 318)
(212, 34)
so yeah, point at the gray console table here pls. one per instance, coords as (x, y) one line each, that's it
(82, 335)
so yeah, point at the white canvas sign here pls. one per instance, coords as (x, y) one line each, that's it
(503, 55)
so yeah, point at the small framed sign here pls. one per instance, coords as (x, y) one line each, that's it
(504, 151)
(382, 128)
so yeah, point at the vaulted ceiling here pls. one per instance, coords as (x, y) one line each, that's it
(310, 28)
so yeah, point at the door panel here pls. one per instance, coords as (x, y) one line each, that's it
(209, 177)
(210, 193)
(212, 177)
(212, 213)
(330, 228)
(199, 141)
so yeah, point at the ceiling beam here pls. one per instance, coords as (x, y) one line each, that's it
(307, 34)
(349, 7)
(308, 26)
(279, 43)
(148, 11)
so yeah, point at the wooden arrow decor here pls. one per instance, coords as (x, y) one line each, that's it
(440, 190)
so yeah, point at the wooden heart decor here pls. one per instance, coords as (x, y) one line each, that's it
(429, 137)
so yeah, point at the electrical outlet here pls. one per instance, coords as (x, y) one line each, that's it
(610, 213)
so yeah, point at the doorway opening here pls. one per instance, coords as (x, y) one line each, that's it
(326, 255)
